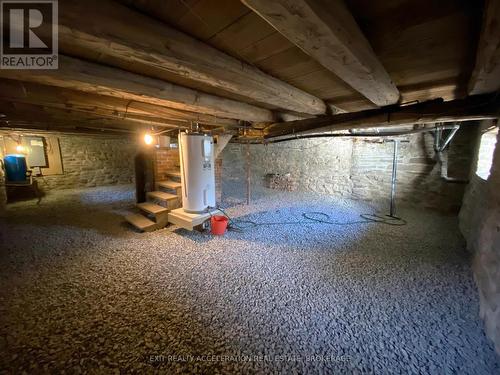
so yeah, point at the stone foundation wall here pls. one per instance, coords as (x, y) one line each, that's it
(360, 168)
(90, 161)
(480, 225)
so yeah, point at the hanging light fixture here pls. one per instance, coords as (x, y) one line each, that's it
(152, 137)
(148, 139)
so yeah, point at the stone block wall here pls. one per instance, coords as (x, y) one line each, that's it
(480, 225)
(419, 181)
(90, 161)
(316, 165)
(360, 168)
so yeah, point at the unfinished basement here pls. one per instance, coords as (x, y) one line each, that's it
(249, 187)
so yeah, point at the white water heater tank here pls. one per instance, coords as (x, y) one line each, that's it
(197, 172)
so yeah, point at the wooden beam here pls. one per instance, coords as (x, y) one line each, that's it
(167, 113)
(27, 113)
(486, 74)
(97, 114)
(50, 127)
(116, 35)
(325, 30)
(40, 120)
(34, 112)
(478, 107)
(103, 80)
(107, 106)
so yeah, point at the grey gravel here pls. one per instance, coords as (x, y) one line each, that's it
(81, 292)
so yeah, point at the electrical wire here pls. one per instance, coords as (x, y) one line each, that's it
(313, 217)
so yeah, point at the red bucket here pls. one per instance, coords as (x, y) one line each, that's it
(218, 224)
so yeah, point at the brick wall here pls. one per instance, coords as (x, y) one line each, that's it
(165, 159)
(358, 168)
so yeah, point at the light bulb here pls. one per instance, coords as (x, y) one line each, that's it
(20, 148)
(148, 139)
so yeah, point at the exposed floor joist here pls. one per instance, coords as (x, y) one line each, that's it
(472, 108)
(486, 75)
(91, 115)
(327, 31)
(119, 36)
(30, 115)
(103, 80)
(26, 112)
(56, 97)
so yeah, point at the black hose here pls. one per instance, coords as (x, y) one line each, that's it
(324, 218)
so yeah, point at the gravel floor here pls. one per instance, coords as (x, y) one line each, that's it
(80, 291)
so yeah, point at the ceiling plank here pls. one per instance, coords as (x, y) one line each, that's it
(486, 74)
(116, 35)
(103, 80)
(477, 107)
(326, 31)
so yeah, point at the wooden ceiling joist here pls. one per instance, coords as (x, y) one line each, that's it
(326, 30)
(119, 36)
(35, 112)
(56, 97)
(104, 80)
(486, 75)
(35, 116)
(477, 107)
(33, 127)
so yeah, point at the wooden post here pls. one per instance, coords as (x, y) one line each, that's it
(248, 173)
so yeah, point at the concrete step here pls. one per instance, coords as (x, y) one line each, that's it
(152, 208)
(168, 184)
(162, 196)
(141, 222)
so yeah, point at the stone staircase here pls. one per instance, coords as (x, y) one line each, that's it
(153, 214)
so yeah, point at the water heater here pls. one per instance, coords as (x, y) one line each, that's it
(197, 171)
